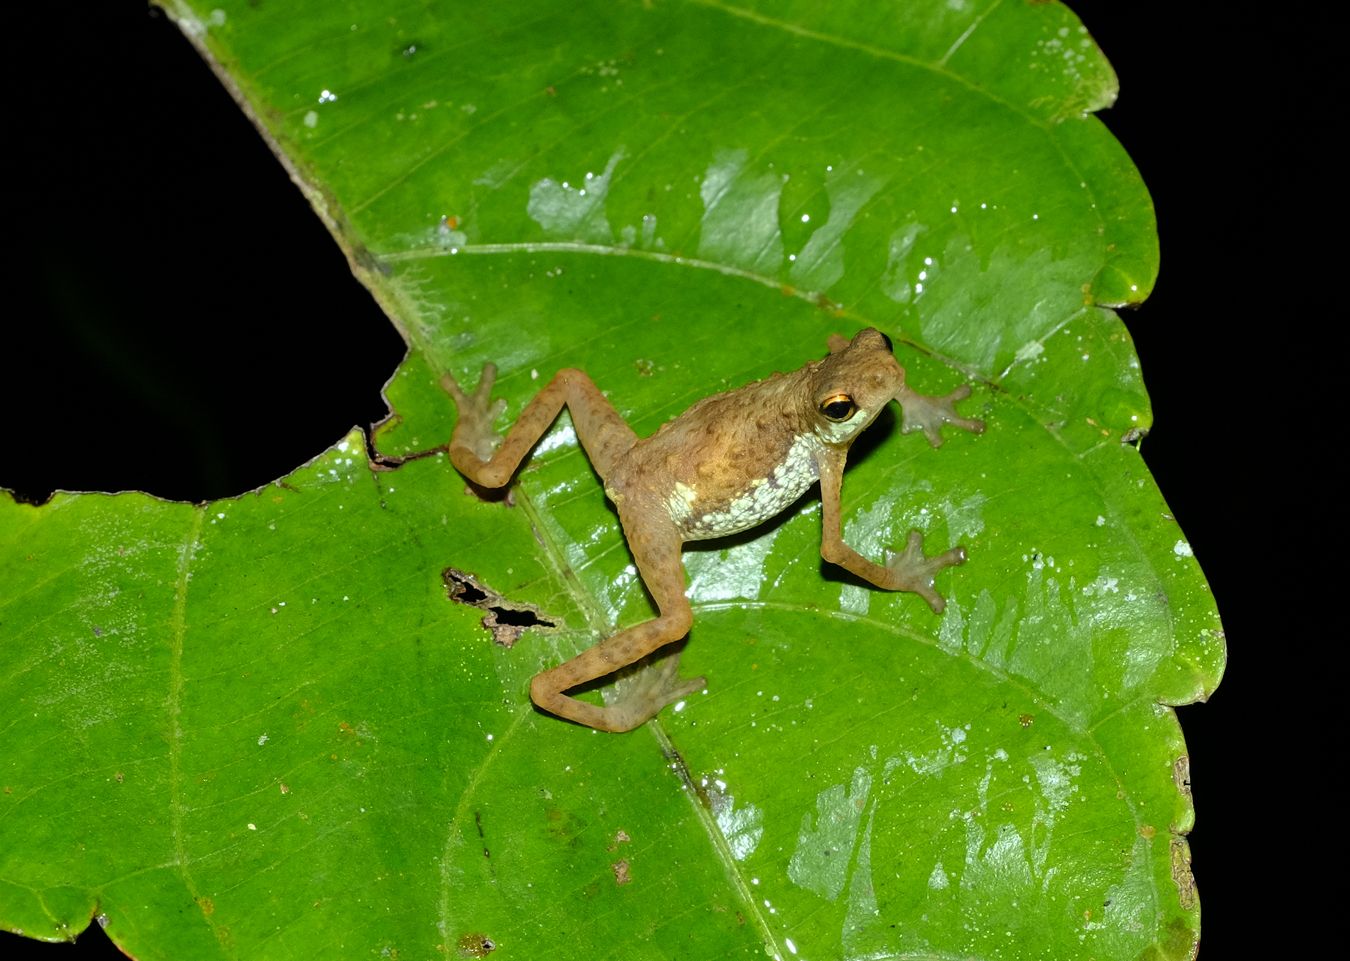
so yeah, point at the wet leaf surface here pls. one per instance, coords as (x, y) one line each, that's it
(262, 726)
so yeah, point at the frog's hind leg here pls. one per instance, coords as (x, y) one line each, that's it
(656, 548)
(598, 425)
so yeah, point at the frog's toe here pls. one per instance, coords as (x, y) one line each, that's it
(451, 387)
(914, 571)
(478, 399)
(489, 377)
(686, 688)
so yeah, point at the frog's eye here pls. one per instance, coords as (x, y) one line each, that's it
(838, 408)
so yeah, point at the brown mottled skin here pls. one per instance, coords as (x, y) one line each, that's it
(730, 462)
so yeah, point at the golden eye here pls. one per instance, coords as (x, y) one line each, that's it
(838, 408)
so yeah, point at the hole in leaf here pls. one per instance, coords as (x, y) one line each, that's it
(507, 620)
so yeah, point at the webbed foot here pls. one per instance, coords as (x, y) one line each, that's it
(915, 571)
(477, 411)
(928, 414)
(640, 694)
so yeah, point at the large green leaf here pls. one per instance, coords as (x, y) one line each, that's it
(261, 728)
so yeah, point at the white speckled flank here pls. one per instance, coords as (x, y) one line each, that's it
(766, 497)
(680, 503)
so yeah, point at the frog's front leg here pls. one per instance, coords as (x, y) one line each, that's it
(911, 570)
(656, 549)
(602, 432)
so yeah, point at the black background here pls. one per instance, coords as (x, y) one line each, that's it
(139, 184)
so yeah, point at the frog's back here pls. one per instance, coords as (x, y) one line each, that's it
(730, 462)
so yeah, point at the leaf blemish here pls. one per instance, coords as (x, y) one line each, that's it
(507, 620)
(475, 944)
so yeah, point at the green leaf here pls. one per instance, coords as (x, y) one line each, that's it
(262, 728)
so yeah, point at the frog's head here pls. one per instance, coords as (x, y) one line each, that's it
(852, 385)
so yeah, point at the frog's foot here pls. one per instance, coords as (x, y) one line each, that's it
(477, 411)
(928, 414)
(914, 571)
(642, 693)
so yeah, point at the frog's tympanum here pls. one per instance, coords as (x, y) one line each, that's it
(730, 462)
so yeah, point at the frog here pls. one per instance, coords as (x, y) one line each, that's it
(729, 463)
